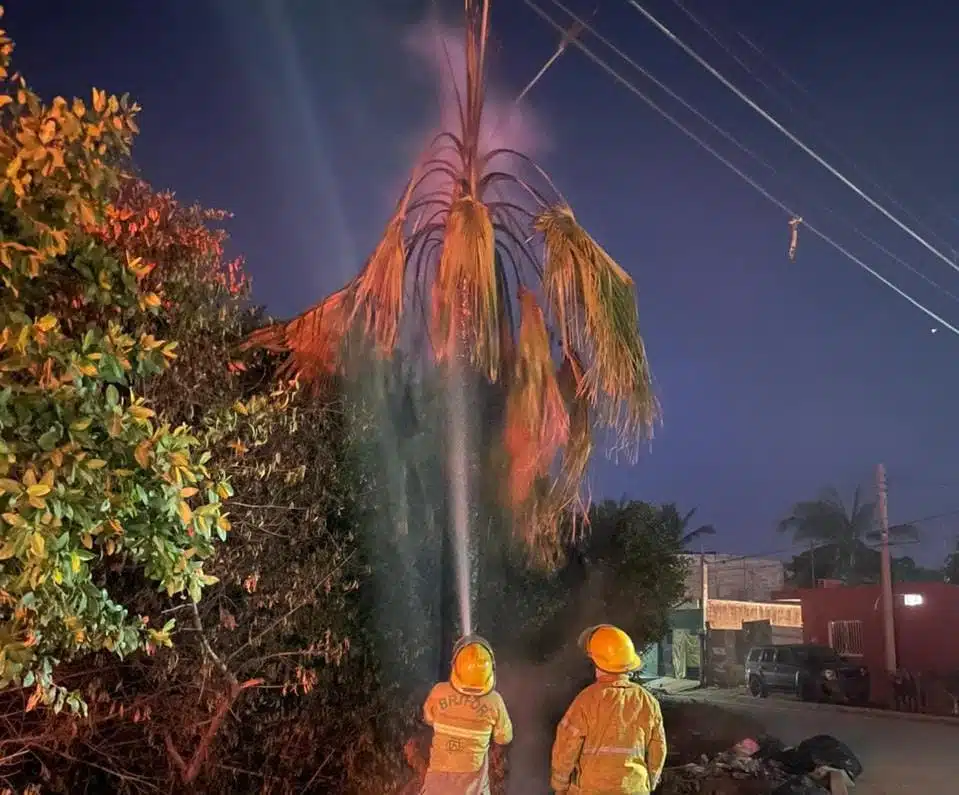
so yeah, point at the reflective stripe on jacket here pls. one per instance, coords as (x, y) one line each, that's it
(610, 741)
(463, 727)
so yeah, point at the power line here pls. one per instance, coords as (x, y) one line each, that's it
(783, 73)
(816, 123)
(585, 26)
(932, 517)
(792, 547)
(660, 85)
(812, 153)
(935, 205)
(766, 194)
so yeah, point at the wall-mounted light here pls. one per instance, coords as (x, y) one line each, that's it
(912, 599)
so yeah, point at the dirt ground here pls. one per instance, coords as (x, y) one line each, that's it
(696, 729)
(691, 731)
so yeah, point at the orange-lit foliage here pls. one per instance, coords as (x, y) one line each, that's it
(325, 326)
(172, 240)
(177, 253)
(537, 422)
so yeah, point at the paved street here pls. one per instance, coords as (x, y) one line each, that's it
(900, 756)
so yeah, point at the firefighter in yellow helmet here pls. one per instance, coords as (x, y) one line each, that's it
(466, 713)
(611, 739)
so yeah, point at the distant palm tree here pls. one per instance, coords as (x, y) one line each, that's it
(509, 283)
(681, 522)
(847, 530)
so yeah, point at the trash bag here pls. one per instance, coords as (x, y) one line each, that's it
(826, 750)
(800, 785)
(769, 747)
(796, 761)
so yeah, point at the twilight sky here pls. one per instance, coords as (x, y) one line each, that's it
(776, 378)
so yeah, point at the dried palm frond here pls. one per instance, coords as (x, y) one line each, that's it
(595, 306)
(579, 445)
(313, 340)
(380, 286)
(537, 424)
(465, 296)
(544, 525)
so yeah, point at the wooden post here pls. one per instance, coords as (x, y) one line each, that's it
(888, 613)
(704, 576)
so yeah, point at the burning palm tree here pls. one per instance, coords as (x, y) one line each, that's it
(513, 286)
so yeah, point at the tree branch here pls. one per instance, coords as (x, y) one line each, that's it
(256, 638)
(189, 772)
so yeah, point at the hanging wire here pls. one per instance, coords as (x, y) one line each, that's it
(626, 83)
(815, 122)
(587, 27)
(584, 25)
(808, 150)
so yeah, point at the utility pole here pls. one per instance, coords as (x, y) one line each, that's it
(704, 576)
(704, 656)
(812, 563)
(888, 614)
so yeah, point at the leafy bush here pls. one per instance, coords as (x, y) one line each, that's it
(92, 482)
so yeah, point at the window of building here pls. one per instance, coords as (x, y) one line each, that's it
(846, 637)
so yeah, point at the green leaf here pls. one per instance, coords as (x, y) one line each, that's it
(49, 439)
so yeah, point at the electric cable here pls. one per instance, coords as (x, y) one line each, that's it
(745, 177)
(660, 85)
(814, 121)
(585, 26)
(809, 151)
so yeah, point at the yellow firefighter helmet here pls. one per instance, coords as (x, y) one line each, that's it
(610, 649)
(474, 668)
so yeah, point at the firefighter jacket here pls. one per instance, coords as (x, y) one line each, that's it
(463, 727)
(610, 741)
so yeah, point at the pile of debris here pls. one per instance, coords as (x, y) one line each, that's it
(820, 765)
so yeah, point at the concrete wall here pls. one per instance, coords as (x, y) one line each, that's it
(734, 577)
(729, 614)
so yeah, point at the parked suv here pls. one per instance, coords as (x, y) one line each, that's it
(813, 673)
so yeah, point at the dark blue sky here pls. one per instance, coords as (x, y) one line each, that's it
(777, 378)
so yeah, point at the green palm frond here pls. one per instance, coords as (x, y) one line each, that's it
(828, 521)
(595, 306)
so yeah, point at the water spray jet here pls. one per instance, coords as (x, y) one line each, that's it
(459, 494)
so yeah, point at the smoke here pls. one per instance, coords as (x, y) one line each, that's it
(441, 50)
(537, 694)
